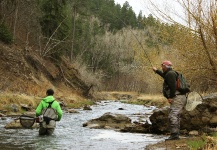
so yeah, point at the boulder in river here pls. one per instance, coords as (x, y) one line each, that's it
(204, 115)
(109, 120)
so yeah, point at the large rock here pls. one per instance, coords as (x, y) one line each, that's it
(159, 120)
(109, 121)
(204, 115)
(118, 122)
(137, 128)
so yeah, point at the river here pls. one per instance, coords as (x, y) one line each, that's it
(71, 135)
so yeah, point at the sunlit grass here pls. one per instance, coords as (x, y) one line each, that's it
(80, 104)
(205, 143)
(195, 145)
(149, 100)
(137, 98)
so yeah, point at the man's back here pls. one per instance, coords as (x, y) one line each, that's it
(50, 111)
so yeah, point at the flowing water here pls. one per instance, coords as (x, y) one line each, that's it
(71, 135)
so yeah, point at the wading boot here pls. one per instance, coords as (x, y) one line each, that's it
(173, 136)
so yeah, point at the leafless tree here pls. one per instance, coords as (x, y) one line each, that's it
(198, 46)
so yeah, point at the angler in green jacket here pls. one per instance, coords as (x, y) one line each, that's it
(49, 109)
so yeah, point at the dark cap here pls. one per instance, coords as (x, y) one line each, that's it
(50, 92)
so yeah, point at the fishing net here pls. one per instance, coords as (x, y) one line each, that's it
(193, 99)
(27, 121)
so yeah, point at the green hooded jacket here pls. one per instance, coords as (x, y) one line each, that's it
(44, 104)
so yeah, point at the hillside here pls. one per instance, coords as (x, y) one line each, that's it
(27, 73)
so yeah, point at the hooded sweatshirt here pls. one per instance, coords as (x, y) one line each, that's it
(44, 104)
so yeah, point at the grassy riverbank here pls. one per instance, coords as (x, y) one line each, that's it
(10, 100)
(135, 98)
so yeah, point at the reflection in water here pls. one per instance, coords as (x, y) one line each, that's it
(70, 134)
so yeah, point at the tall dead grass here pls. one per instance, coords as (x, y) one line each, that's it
(152, 99)
(7, 99)
(31, 93)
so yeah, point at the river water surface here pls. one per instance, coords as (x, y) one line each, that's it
(71, 135)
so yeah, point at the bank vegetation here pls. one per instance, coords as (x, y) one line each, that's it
(87, 46)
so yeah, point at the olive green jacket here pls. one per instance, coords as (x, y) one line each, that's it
(169, 85)
(44, 104)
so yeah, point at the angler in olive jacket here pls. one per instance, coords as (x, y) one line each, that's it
(49, 99)
(169, 85)
(176, 99)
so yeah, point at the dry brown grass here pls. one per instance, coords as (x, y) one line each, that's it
(149, 99)
(66, 95)
(136, 98)
(156, 97)
(7, 99)
(113, 95)
(211, 143)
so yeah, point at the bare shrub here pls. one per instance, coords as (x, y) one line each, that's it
(195, 42)
(87, 76)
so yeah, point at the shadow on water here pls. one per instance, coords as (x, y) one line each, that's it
(70, 134)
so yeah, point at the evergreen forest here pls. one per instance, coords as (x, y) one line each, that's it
(111, 46)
